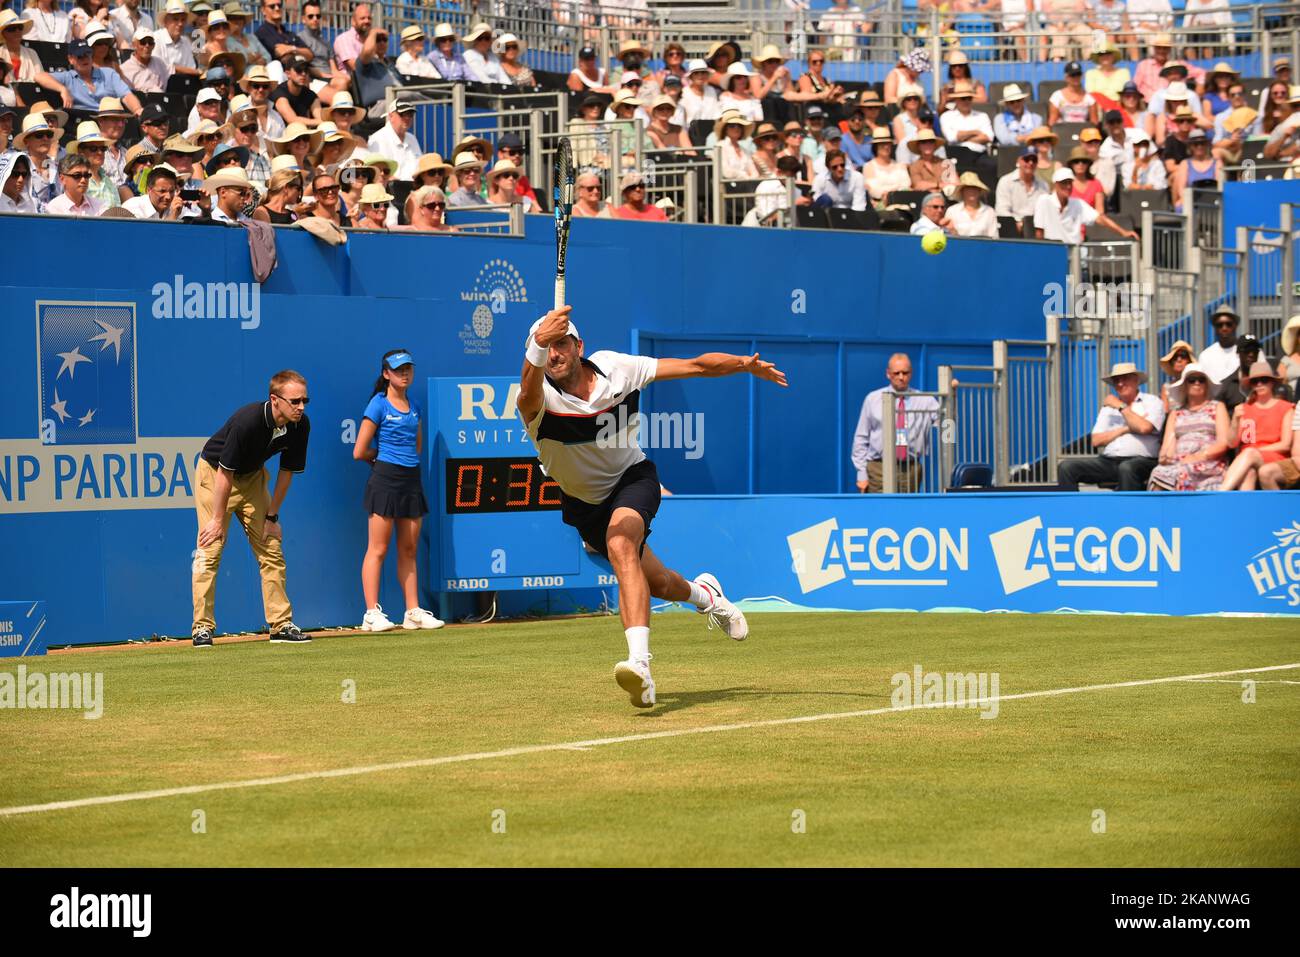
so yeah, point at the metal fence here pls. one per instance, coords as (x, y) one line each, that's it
(1268, 278)
(930, 470)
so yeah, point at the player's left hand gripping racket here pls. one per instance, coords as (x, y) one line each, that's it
(563, 196)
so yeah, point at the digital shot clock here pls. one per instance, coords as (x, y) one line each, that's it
(498, 525)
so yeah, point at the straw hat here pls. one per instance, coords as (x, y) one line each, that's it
(1124, 368)
(957, 58)
(217, 18)
(205, 128)
(257, 74)
(280, 144)
(632, 46)
(503, 41)
(477, 32)
(501, 168)
(343, 104)
(910, 89)
(137, 153)
(228, 176)
(412, 33)
(969, 178)
(88, 134)
(962, 90)
(112, 106)
(470, 142)
(232, 60)
(732, 118)
(624, 97)
(769, 52)
(1012, 92)
(766, 130)
(45, 109)
(176, 143)
(376, 159)
(35, 123)
(1178, 390)
(1176, 91)
(374, 193)
(1043, 133)
(1079, 155)
(285, 162)
(1161, 40)
(881, 134)
(431, 162)
(466, 161)
(444, 30)
(663, 100)
(924, 135)
(1222, 67)
(8, 18)
(1167, 360)
(719, 46)
(1101, 49)
(1291, 336)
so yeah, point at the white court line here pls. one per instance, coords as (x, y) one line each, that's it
(593, 743)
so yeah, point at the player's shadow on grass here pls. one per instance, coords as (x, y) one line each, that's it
(667, 703)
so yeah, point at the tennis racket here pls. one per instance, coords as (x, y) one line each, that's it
(562, 191)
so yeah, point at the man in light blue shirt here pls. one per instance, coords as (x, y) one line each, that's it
(1013, 125)
(919, 414)
(89, 84)
(449, 64)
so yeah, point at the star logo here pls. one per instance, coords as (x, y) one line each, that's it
(60, 407)
(70, 360)
(85, 419)
(111, 336)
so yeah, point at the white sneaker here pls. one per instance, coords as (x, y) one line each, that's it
(419, 618)
(634, 678)
(376, 620)
(722, 613)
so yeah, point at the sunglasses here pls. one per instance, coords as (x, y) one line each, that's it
(511, 151)
(507, 176)
(81, 175)
(311, 16)
(326, 190)
(837, 166)
(42, 135)
(1197, 380)
(1224, 325)
(294, 402)
(637, 188)
(248, 129)
(435, 205)
(814, 62)
(592, 186)
(260, 86)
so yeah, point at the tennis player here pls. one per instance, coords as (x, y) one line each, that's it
(394, 495)
(609, 490)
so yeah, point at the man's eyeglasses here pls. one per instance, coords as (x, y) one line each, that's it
(260, 86)
(507, 176)
(274, 6)
(82, 175)
(935, 205)
(837, 166)
(1224, 325)
(311, 16)
(511, 151)
(294, 402)
(592, 186)
(815, 62)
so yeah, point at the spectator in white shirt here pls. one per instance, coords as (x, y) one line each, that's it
(395, 141)
(126, 19)
(739, 95)
(883, 174)
(74, 175)
(699, 99)
(173, 47)
(933, 216)
(49, 23)
(1063, 218)
(161, 199)
(1127, 432)
(972, 216)
(145, 72)
(1020, 190)
(1220, 358)
(731, 130)
(840, 186)
(412, 61)
(1144, 168)
(964, 128)
(484, 65)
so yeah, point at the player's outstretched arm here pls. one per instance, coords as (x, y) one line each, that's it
(713, 364)
(554, 327)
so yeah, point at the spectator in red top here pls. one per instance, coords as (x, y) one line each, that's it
(511, 147)
(1086, 186)
(632, 189)
(1261, 429)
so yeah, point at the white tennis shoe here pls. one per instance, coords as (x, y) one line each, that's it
(721, 612)
(376, 620)
(634, 678)
(419, 618)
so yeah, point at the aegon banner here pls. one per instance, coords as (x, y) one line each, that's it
(1177, 554)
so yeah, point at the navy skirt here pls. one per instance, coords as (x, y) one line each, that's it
(394, 491)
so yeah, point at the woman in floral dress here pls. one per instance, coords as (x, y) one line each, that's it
(1196, 437)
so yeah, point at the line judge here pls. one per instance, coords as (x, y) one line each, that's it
(231, 480)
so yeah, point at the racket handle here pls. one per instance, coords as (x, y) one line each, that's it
(559, 291)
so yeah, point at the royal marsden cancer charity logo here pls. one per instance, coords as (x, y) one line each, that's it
(497, 284)
(85, 452)
(1275, 572)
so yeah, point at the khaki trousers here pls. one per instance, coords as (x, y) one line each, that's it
(249, 500)
(908, 474)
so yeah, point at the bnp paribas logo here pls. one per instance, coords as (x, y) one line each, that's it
(85, 451)
(497, 285)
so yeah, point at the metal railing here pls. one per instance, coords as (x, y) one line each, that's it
(930, 470)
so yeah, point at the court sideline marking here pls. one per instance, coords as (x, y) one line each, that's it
(594, 743)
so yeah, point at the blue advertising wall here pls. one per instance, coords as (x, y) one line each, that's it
(1254, 205)
(96, 459)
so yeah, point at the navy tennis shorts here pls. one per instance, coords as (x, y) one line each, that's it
(638, 489)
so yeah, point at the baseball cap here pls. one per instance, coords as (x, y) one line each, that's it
(399, 105)
(295, 63)
(512, 140)
(78, 48)
(672, 79)
(1062, 175)
(833, 133)
(1247, 342)
(1113, 116)
(398, 360)
(1130, 87)
(1027, 152)
(532, 330)
(153, 113)
(1074, 68)
(142, 33)
(587, 53)
(207, 95)
(814, 111)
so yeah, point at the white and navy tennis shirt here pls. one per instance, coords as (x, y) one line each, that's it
(567, 430)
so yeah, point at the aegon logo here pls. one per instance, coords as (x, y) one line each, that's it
(823, 554)
(1028, 554)
(478, 401)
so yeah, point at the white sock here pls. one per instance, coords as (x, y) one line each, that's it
(700, 596)
(638, 643)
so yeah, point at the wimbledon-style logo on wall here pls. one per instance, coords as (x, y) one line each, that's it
(497, 284)
(1275, 572)
(86, 453)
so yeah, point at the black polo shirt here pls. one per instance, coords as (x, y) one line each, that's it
(250, 437)
(272, 35)
(301, 102)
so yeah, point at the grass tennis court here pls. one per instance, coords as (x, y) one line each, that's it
(1184, 771)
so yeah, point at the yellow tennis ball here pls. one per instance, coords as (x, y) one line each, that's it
(934, 242)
